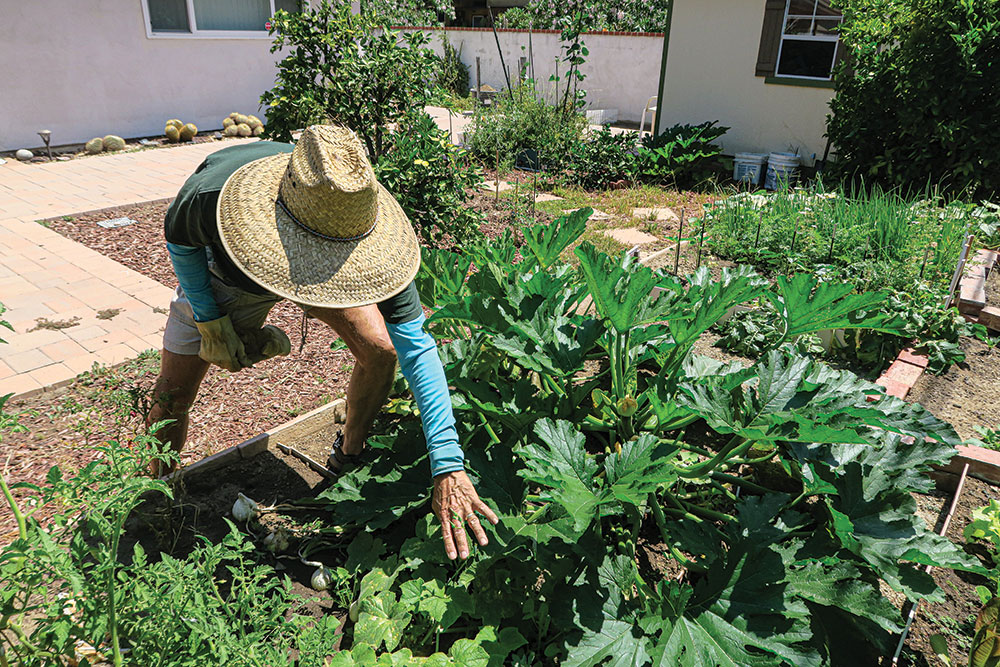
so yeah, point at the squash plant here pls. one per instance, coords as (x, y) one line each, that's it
(778, 494)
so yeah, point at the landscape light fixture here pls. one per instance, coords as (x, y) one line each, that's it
(46, 136)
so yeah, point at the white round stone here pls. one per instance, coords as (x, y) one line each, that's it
(24, 154)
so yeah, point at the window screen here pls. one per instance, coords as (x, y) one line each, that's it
(231, 14)
(290, 6)
(168, 16)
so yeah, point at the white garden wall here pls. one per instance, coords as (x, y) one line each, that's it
(622, 70)
(86, 69)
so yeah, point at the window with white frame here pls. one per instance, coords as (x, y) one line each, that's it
(213, 16)
(809, 39)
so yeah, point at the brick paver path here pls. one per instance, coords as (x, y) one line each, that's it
(47, 277)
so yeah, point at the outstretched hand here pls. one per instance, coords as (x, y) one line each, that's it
(455, 504)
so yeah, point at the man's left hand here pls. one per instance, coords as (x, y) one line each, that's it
(455, 504)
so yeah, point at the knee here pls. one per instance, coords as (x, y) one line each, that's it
(378, 354)
(170, 403)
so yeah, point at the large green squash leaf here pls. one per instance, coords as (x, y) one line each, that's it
(560, 463)
(623, 292)
(615, 644)
(641, 467)
(441, 276)
(808, 305)
(547, 242)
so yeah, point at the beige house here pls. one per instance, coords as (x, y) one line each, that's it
(87, 69)
(761, 67)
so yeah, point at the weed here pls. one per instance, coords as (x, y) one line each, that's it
(108, 313)
(54, 325)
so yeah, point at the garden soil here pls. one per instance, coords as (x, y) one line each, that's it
(955, 616)
(967, 394)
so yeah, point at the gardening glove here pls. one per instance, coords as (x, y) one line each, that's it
(220, 345)
(270, 341)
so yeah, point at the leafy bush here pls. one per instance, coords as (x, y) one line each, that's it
(429, 178)
(524, 122)
(587, 420)
(917, 102)
(603, 158)
(453, 75)
(615, 15)
(683, 154)
(341, 68)
(409, 12)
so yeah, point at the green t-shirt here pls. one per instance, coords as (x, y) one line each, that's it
(191, 221)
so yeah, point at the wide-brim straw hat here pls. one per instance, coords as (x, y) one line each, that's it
(314, 226)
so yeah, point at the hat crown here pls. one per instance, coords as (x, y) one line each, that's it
(329, 185)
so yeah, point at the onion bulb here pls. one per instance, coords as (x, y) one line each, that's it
(244, 508)
(276, 541)
(321, 579)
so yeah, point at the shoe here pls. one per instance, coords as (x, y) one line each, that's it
(338, 462)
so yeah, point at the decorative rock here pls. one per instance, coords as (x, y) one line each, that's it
(94, 146)
(491, 186)
(630, 237)
(2, 161)
(660, 213)
(24, 154)
(217, 135)
(61, 158)
(596, 215)
(147, 142)
(545, 196)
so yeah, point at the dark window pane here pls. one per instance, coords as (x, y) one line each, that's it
(290, 6)
(168, 16)
(798, 27)
(824, 8)
(231, 14)
(801, 57)
(827, 26)
(806, 7)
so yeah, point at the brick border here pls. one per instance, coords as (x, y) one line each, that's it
(608, 33)
(972, 290)
(258, 444)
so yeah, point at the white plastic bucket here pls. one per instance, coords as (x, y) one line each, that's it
(748, 167)
(782, 168)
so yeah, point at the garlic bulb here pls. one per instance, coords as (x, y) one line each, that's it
(321, 579)
(244, 508)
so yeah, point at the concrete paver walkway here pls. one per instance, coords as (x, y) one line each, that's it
(47, 279)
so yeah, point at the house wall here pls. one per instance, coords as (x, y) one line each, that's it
(87, 69)
(710, 75)
(622, 70)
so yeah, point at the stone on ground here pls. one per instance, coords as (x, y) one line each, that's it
(545, 196)
(596, 215)
(491, 186)
(630, 236)
(660, 213)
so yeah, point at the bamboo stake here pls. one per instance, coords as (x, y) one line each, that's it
(498, 177)
(534, 193)
(677, 251)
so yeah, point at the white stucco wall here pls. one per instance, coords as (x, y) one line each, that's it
(710, 75)
(86, 69)
(622, 71)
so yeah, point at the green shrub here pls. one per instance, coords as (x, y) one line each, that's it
(452, 74)
(429, 177)
(342, 68)
(604, 158)
(525, 122)
(683, 154)
(918, 102)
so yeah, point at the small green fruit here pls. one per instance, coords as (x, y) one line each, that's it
(114, 143)
(627, 406)
(244, 130)
(173, 132)
(95, 146)
(188, 132)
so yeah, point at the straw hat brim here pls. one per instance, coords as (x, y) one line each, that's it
(290, 261)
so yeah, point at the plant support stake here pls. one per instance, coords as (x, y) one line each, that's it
(497, 181)
(701, 239)
(503, 65)
(677, 250)
(760, 222)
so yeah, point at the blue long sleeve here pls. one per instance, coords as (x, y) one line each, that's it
(421, 366)
(191, 267)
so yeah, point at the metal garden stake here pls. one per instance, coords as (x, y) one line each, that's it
(923, 265)
(46, 136)
(701, 239)
(498, 177)
(760, 222)
(677, 251)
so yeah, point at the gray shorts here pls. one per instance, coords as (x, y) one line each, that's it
(245, 309)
